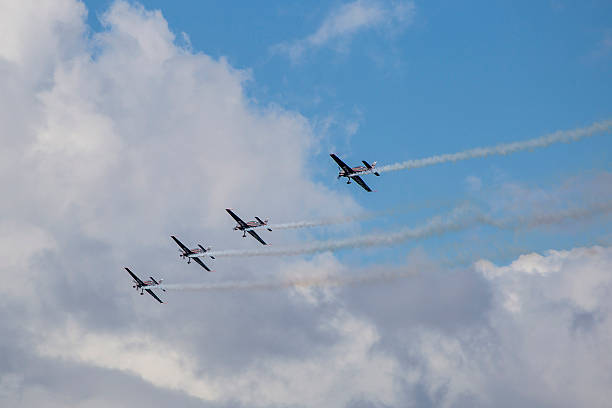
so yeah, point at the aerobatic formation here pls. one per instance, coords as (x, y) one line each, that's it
(354, 174)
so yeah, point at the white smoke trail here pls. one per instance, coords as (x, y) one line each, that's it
(562, 136)
(320, 223)
(331, 220)
(503, 149)
(365, 216)
(458, 219)
(434, 226)
(323, 281)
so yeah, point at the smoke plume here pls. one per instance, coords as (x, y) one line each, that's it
(562, 136)
(458, 219)
(335, 220)
(323, 281)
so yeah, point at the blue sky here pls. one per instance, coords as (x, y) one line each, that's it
(451, 76)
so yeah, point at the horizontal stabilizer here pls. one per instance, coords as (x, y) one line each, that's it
(205, 250)
(370, 167)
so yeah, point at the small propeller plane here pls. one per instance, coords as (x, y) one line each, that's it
(142, 286)
(193, 253)
(354, 172)
(249, 226)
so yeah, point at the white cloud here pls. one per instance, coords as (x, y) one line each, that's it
(112, 143)
(35, 35)
(145, 123)
(512, 335)
(349, 19)
(265, 383)
(549, 319)
(559, 329)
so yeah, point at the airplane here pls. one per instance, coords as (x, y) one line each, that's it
(249, 226)
(142, 286)
(354, 172)
(193, 253)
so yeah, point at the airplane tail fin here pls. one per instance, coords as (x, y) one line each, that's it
(157, 282)
(264, 222)
(206, 250)
(370, 167)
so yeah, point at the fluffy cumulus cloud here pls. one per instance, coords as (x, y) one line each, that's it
(347, 20)
(114, 140)
(551, 319)
(531, 333)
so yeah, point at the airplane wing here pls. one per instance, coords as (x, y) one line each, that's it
(362, 183)
(199, 262)
(237, 218)
(136, 278)
(180, 244)
(150, 292)
(342, 164)
(257, 237)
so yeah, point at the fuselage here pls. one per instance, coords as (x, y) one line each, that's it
(357, 171)
(197, 253)
(146, 283)
(250, 225)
